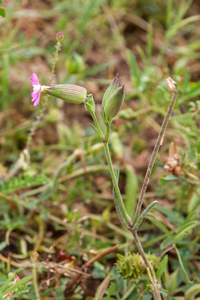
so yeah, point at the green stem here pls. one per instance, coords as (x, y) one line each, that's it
(123, 216)
(156, 293)
(35, 124)
(54, 61)
(154, 154)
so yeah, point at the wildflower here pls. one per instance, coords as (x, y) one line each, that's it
(69, 92)
(36, 90)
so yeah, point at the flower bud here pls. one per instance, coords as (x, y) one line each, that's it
(110, 90)
(59, 36)
(114, 104)
(68, 92)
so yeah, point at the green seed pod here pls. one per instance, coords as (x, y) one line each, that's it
(110, 90)
(114, 104)
(69, 92)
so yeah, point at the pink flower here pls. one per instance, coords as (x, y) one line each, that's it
(36, 90)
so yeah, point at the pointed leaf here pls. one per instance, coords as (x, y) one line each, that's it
(182, 265)
(131, 190)
(95, 129)
(162, 267)
(102, 288)
(144, 214)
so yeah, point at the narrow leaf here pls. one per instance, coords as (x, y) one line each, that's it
(162, 267)
(95, 129)
(117, 202)
(131, 190)
(184, 230)
(160, 225)
(6, 284)
(111, 290)
(119, 213)
(102, 288)
(20, 283)
(144, 214)
(182, 266)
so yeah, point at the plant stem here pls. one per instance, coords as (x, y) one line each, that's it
(35, 124)
(140, 249)
(154, 154)
(122, 214)
(54, 61)
(147, 263)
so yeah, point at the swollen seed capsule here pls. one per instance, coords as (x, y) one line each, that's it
(68, 92)
(114, 104)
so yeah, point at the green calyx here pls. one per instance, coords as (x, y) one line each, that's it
(114, 104)
(68, 92)
(110, 90)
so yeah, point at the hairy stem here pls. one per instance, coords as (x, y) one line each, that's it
(156, 293)
(54, 61)
(154, 154)
(35, 124)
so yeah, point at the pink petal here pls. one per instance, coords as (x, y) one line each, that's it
(37, 100)
(35, 97)
(33, 94)
(35, 77)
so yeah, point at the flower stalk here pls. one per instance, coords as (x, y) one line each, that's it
(171, 86)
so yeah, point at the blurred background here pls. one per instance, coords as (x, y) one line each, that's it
(144, 42)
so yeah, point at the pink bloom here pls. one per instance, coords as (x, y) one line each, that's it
(36, 90)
